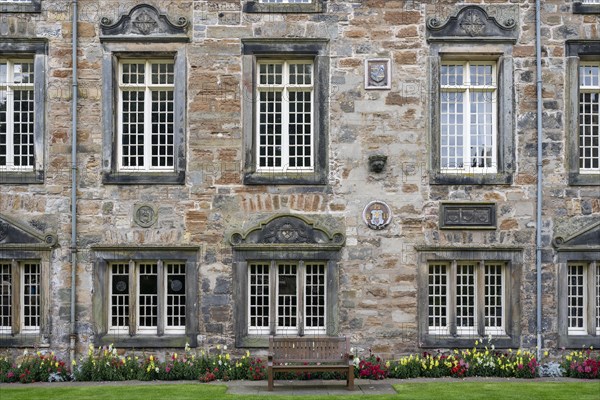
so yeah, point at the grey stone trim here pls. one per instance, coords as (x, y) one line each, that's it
(40, 338)
(564, 339)
(104, 255)
(144, 23)
(315, 6)
(581, 8)
(251, 246)
(505, 112)
(38, 48)
(33, 6)
(317, 48)
(455, 215)
(575, 51)
(110, 172)
(472, 23)
(514, 258)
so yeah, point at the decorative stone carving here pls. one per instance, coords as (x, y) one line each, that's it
(377, 162)
(21, 236)
(475, 22)
(144, 22)
(287, 230)
(468, 215)
(145, 215)
(377, 215)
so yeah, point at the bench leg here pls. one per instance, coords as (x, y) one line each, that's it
(270, 377)
(350, 381)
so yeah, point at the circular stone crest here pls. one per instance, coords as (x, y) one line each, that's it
(377, 215)
(145, 215)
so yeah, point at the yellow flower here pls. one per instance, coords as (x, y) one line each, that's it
(546, 353)
(247, 353)
(151, 358)
(218, 347)
(387, 364)
(73, 363)
(227, 356)
(476, 342)
(175, 356)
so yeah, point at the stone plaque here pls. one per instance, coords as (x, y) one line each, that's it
(377, 215)
(468, 216)
(378, 73)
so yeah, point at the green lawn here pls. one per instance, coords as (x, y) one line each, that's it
(412, 391)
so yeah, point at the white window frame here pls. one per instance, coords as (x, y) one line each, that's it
(17, 290)
(451, 298)
(9, 87)
(467, 88)
(285, 88)
(134, 298)
(147, 87)
(301, 296)
(589, 89)
(590, 296)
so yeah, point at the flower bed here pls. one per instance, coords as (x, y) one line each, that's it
(107, 364)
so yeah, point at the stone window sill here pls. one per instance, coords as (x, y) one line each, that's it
(146, 341)
(34, 6)
(24, 340)
(283, 178)
(583, 8)
(447, 341)
(117, 178)
(28, 177)
(501, 178)
(584, 179)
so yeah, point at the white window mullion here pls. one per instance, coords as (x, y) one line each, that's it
(147, 123)
(285, 119)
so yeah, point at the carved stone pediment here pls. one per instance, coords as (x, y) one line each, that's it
(287, 231)
(144, 23)
(14, 234)
(587, 238)
(474, 22)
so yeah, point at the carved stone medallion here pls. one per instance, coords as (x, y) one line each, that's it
(377, 215)
(145, 215)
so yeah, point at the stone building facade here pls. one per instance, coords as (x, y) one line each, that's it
(362, 168)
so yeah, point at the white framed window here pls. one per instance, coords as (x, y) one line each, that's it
(20, 296)
(468, 117)
(583, 298)
(284, 120)
(287, 297)
(589, 117)
(17, 114)
(158, 290)
(462, 296)
(146, 115)
(590, 1)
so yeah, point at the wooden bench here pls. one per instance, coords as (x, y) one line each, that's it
(287, 354)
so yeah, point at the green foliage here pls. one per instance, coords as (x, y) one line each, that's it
(38, 367)
(583, 364)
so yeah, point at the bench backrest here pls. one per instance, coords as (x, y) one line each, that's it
(309, 349)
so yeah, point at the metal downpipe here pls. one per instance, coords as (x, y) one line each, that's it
(538, 223)
(72, 329)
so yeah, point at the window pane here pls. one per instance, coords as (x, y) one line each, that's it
(259, 295)
(452, 130)
(31, 296)
(576, 297)
(287, 298)
(133, 129)
(314, 296)
(270, 129)
(465, 298)
(5, 297)
(23, 123)
(119, 296)
(300, 129)
(162, 129)
(589, 131)
(437, 297)
(494, 295)
(148, 295)
(175, 295)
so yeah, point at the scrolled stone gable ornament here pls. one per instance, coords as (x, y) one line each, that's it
(144, 22)
(377, 215)
(489, 23)
(287, 231)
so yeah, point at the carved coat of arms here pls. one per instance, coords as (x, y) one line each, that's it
(377, 215)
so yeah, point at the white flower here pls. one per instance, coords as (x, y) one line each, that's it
(225, 347)
(156, 369)
(351, 350)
